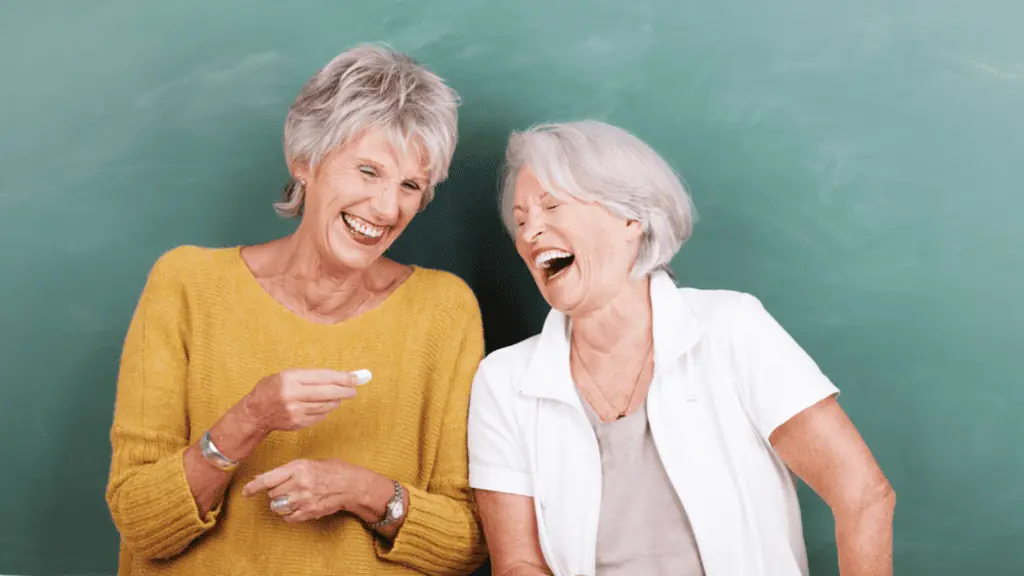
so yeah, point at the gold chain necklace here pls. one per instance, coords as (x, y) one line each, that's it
(636, 384)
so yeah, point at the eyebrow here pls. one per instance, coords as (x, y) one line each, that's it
(543, 196)
(374, 163)
(420, 178)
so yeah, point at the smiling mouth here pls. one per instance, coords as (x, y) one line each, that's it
(554, 263)
(362, 231)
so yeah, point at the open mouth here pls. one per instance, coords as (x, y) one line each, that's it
(554, 262)
(361, 230)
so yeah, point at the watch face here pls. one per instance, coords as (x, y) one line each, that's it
(397, 510)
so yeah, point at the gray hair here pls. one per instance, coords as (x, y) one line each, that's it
(596, 162)
(370, 86)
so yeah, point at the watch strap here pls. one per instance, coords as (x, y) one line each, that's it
(396, 503)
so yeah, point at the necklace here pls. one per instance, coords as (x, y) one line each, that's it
(636, 383)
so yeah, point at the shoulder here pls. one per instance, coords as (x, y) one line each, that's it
(503, 368)
(514, 357)
(184, 263)
(720, 309)
(736, 319)
(444, 292)
(191, 274)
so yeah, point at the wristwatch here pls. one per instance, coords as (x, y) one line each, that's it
(214, 456)
(394, 510)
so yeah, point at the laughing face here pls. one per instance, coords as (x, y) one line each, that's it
(579, 253)
(361, 197)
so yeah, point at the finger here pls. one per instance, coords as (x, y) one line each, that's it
(304, 515)
(324, 393)
(285, 488)
(267, 480)
(335, 377)
(300, 516)
(298, 503)
(321, 408)
(281, 509)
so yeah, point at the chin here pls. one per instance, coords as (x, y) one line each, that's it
(562, 294)
(344, 254)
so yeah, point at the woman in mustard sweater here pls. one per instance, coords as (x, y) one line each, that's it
(299, 407)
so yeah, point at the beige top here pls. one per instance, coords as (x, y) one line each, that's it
(643, 528)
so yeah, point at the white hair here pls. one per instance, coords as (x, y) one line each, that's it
(370, 86)
(595, 162)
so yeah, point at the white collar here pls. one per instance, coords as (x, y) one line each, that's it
(676, 330)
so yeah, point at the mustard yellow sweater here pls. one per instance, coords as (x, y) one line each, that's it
(203, 334)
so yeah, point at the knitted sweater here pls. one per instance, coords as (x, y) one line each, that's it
(203, 334)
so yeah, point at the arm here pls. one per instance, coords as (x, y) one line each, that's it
(793, 406)
(499, 473)
(162, 494)
(822, 446)
(440, 534)
(510, 528)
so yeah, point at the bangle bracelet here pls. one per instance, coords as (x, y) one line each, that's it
(214, 456)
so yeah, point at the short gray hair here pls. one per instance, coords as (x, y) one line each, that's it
(370, 86)
(597, 162)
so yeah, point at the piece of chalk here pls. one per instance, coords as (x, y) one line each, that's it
(362, 376)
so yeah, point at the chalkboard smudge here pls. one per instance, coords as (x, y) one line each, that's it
(249, 65)
(998, 73)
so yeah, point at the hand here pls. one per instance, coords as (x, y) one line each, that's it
(295, 399)
(310, 489)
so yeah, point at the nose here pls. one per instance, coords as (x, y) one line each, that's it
(384, 203)
(533, 226)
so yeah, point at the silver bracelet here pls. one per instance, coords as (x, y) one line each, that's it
(214, 456)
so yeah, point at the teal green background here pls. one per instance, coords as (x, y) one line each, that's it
(857, 165)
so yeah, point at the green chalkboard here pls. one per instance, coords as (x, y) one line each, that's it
(856, 164)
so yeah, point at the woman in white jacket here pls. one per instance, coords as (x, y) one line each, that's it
(650, 429)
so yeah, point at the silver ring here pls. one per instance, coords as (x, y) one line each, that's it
(281, 505)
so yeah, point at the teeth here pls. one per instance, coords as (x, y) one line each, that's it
(543, 260)
(363, 227)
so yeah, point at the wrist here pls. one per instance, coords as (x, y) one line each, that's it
(372, 497)
(248, 418)
(236, 435)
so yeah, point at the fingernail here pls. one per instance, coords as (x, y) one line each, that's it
(362, 376)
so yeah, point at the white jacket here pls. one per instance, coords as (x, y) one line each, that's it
(725, 376)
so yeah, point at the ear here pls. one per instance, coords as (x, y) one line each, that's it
(300, 170)
(635, 228)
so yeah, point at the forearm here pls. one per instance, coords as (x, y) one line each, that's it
(235, 436)
(162, 494)
(864, 539)
(370, 501)
(524, 570)
(439, 534)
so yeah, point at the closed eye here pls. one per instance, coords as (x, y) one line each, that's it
(410, 185)
(368, 171)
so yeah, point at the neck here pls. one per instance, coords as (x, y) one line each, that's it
(622, 323)
(324, 288)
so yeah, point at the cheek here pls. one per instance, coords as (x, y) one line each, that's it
(408, 208)
(330, 196)
(601, 242)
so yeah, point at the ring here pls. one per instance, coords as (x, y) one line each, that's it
(281, 505)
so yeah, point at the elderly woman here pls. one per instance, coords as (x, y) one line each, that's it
(650, 429)
(299, 407)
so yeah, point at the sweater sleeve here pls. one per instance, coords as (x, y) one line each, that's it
(441, 533)
(147, 492)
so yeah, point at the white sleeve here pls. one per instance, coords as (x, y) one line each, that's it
(778, 379)
(497, 460)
